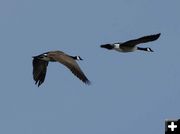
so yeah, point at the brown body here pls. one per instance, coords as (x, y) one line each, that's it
(40, 64)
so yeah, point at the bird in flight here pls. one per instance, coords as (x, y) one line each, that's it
(131, 45)
(41, 61)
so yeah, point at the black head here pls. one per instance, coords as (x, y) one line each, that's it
(145, 49)
(42, 57)
(76, 57)
(149, 49)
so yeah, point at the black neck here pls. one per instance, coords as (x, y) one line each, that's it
(140, 48)
(107, 46)
(74, 57)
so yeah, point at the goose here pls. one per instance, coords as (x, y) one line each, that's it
(131, 45)
(41, 61)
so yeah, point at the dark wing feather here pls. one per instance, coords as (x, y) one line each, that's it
(71, 64)
(144, 39)
(39, 70)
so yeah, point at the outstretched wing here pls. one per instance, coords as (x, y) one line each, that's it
(71, 64)
(144, 39)
(39, 70)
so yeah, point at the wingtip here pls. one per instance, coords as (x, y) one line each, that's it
(158, 35)
(38, 83)
(88, 82)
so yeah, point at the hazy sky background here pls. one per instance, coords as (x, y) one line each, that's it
(131, 93)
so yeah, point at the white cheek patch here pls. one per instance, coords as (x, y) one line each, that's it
(45, 54)
(149, 49)
(78, 58)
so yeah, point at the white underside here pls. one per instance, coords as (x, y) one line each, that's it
(125, 50)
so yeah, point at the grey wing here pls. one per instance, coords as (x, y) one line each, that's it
(72, 65)
(143, 39)
(39, 70)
